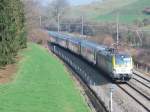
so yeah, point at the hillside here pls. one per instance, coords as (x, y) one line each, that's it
(41, 84)
(129, 10)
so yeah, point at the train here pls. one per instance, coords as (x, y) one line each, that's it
(117, 65)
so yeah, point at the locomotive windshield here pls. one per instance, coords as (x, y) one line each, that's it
(122, 59)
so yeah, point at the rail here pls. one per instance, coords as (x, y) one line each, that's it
(95, 101)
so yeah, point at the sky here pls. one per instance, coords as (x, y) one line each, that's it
(72, 2)
(81, 2)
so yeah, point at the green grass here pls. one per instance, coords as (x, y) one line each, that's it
(42, 84)
(129, 10)
(128, 13)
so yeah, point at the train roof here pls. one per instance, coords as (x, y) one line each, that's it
(112, 52)
(58, 35)
(102, 49)
(65, 36)
(75, 39)
(93, 45)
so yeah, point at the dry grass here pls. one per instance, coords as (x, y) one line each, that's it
(7, 72)
(143, 56)
(38, 36)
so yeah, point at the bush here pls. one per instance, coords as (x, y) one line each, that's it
(12, 36)
(40, 42)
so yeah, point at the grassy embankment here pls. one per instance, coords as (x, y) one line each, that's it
(129, 10)
(41, 84)
(128, 13)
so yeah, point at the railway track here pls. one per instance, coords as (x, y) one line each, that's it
(92, 98)
(147, 79)
(142, 82)
(75, 70)
(131, 85)
(137, 95)
(130, 88)
(141, 87)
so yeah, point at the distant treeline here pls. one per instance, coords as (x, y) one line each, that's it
(128, 36)
(12, 30)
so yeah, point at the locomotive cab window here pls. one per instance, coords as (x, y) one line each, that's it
(122, 59)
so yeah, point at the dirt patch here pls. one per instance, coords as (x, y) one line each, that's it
(7, 72)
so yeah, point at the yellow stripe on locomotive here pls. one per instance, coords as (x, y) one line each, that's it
(122, 65)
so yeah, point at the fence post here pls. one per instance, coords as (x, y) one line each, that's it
(137, 66)
(146, 69)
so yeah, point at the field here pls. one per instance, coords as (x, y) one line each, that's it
(41, 84)
(129, 10)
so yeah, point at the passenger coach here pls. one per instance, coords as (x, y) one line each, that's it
(118, 66)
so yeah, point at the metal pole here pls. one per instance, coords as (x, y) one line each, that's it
(112, 89)
(117, 21)
(40, 21)
(58, 22)
(111, 106)
(69, 27)
(139, 37)
(82, 25)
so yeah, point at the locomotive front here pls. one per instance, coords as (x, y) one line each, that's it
(122, 67)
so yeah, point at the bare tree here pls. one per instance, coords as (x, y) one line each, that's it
(33, 13)
(58, 7)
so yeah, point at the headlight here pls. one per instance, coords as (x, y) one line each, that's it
(114, 71)
(132, 70)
